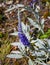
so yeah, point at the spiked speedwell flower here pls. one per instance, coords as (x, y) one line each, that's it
(21, 35)
(32, 1)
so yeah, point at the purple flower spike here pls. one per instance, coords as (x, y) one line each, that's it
(32, 1)
(21, 35)
(24, 39)
(31, 4)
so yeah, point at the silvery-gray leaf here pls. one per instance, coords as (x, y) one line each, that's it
(20, 5)
(10, 9)
(22, 50)
(40, 53)
(28, 8)
(48, 17)
(25, 27)
(41, 63)
(38, 43)
(16, 52)
(30, 62)
(48, 40)
(33, 23)
(22, 46)
(35, 48)
(49, 50)
(44, 63)
(37, 9)
(27, 35)
(39, 60)
(16, 44)
(22, 10)
(33, 41)
(42, 23)
(33, 5)
(17, 56)
(15, 6)
(14, 34)
(19, 44)
(42, 30)
(25, 30)
(34, 13)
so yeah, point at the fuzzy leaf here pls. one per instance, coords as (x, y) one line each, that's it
(30, 62)
(16, 52)
(17, 56)
(33, 23)
(14, 34)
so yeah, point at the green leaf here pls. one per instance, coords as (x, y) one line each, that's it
(44, 36)
(1, 35)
